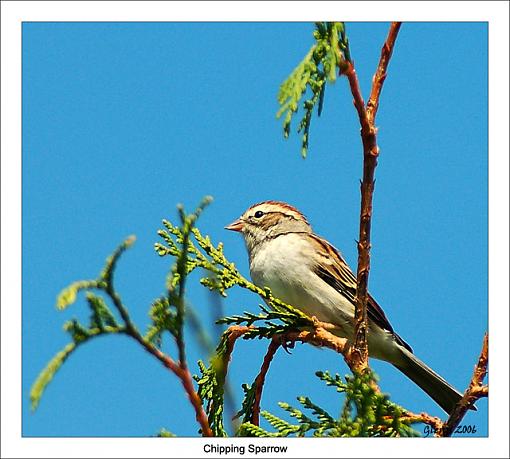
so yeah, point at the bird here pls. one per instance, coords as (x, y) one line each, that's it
(304, 270)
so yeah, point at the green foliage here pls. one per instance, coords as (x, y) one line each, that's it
(250, 430)
(165, 433)
(211, 386)
(48, 373)
(111, 262)
(328, 55)
(245, 412)
(287, 320)
(102, 320)
(101, 316)
(168, 313)
(223, 275)
(79, 335)
(68, 295)
(365, 413)
(163, 318)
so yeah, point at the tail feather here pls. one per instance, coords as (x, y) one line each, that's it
(445, 395)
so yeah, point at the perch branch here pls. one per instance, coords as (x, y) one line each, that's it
(370, 154)
(475, 390)
(319, 335)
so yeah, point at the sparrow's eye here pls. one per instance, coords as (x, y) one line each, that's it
(259, 214)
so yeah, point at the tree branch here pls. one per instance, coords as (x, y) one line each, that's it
(370, 154)
(234, 332)
(475, 390)
(380, 75)
(260, 379)
(423, 417)
(183, 374)
(319, 336)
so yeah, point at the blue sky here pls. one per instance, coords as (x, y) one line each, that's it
(122, 121)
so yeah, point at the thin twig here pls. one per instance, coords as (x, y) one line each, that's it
(475, 390)
(358, 101)
(370, 153)
(180, 306)
(380, 75)
(234, 332)
(261, 377)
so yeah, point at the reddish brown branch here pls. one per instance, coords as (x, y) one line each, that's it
(425, 418)
(319, 336)
(234, 332)
(370, 153)
(475, 390)
(261, 377)
(184, 376)
(358, 101)
(380, 75)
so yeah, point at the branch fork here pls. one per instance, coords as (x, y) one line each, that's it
(366, 114)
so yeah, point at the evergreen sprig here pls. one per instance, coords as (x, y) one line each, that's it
(365, 413)
(246, 410)
(223, 274)
(165, 433)
(320, 65)
(287, 321)
(102, 320)
(211, 386)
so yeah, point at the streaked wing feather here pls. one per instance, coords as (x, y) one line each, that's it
(335, 272)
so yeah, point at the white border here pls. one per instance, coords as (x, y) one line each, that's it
(13, 13)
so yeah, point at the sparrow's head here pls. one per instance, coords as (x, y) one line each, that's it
(267, 220)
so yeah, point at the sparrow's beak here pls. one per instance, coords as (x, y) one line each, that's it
(238, 225)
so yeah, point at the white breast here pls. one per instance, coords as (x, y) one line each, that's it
(284, 264)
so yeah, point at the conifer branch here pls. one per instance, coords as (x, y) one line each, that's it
(184, 376)
(180, 370)
(318, 334)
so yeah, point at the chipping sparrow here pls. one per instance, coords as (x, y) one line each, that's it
(307, 272)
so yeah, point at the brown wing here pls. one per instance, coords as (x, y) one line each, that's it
(335, 272)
